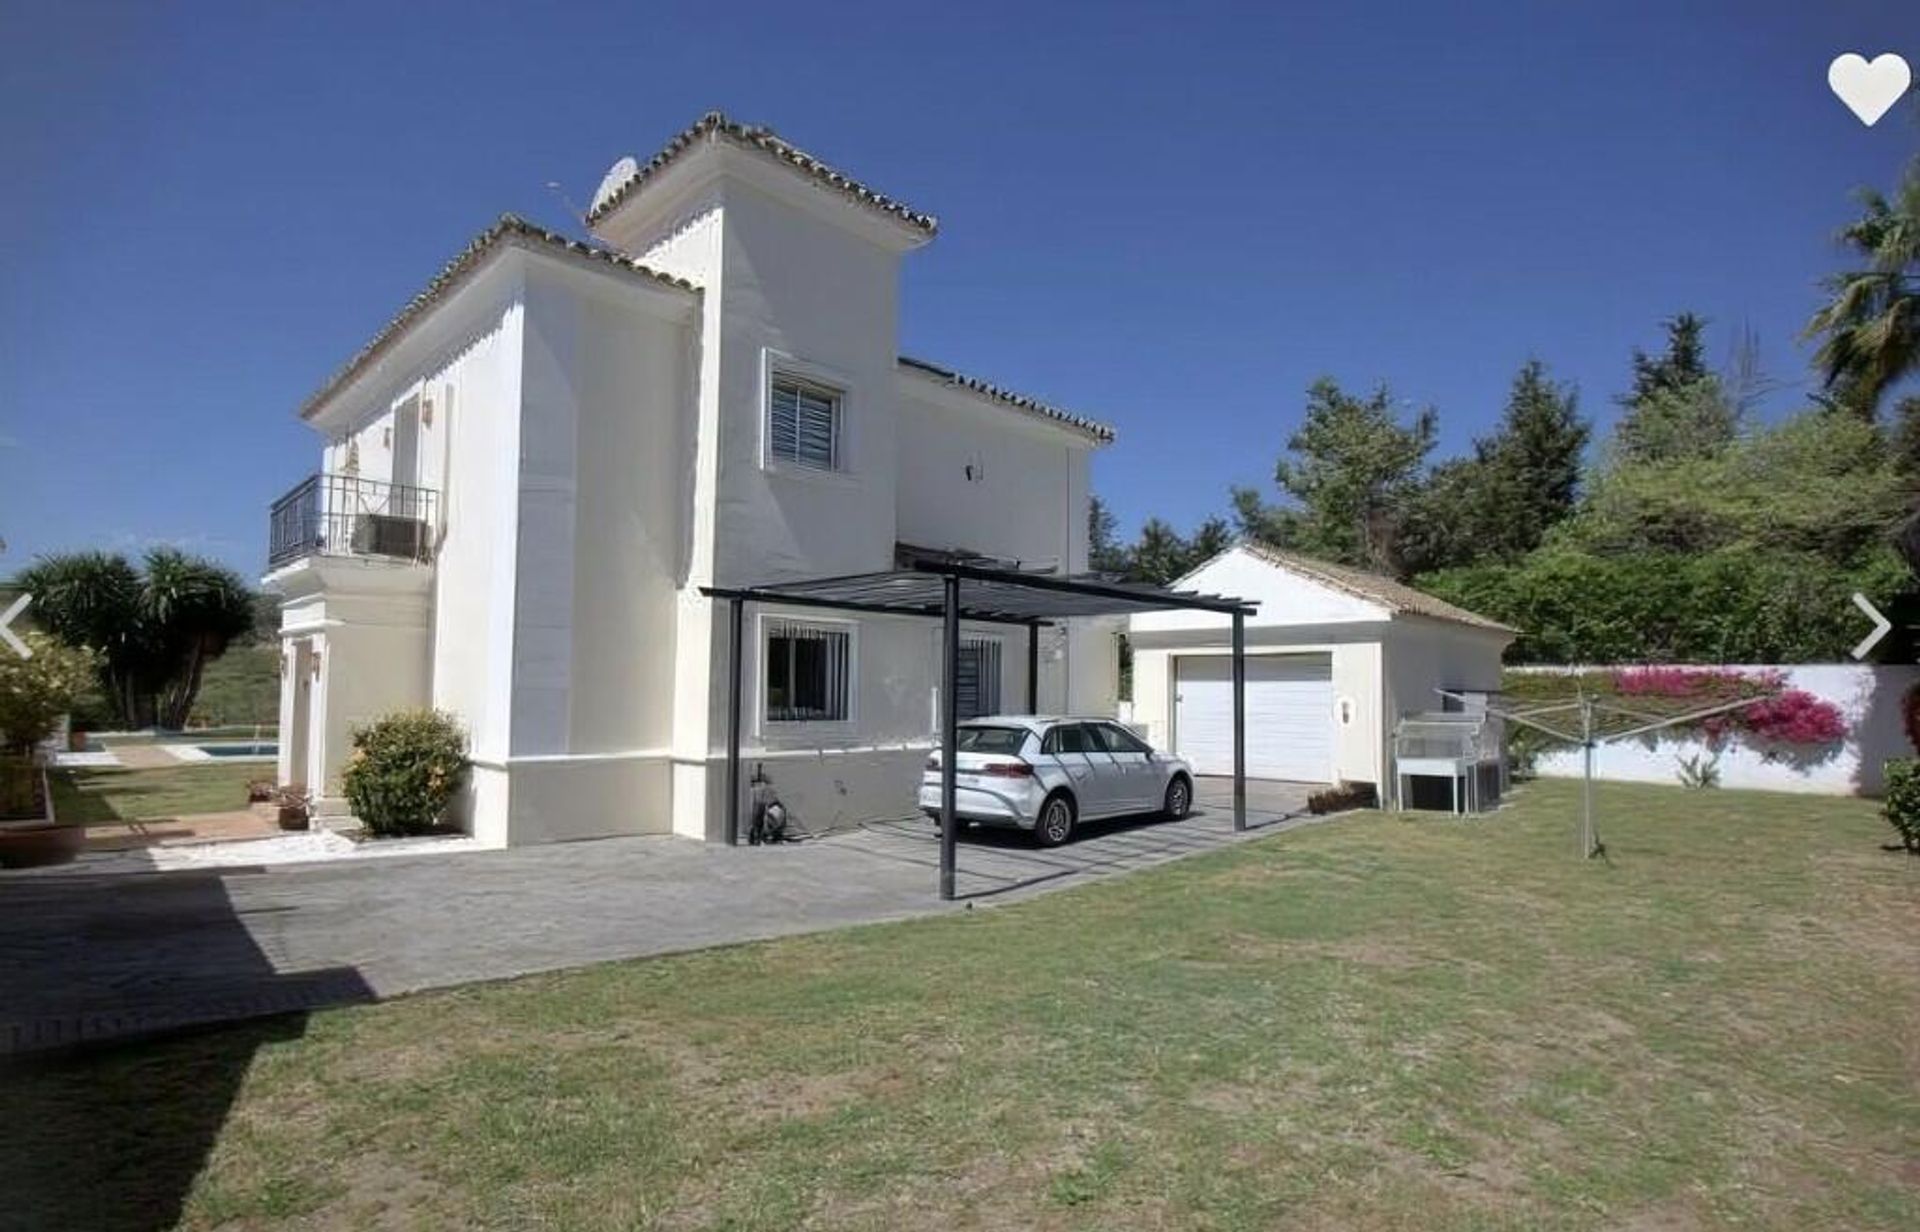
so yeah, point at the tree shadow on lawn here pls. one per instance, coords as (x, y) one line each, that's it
(111, 1101)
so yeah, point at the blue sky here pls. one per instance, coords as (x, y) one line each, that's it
(1170, 217)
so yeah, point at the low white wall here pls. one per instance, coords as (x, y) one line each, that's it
(560, 799)
(1867, 695)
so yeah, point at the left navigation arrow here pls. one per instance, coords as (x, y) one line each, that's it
(7, 635)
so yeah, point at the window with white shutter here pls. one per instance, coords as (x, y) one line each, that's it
(803, 423)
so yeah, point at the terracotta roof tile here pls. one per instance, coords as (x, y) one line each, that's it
(1033, 406)
(509, 229)
(1394, 596)
(717, 125)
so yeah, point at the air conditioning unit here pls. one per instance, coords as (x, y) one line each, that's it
(380, 534)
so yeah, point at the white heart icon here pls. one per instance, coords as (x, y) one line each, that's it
(1869, 88)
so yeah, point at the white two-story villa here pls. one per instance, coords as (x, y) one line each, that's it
(530, 474)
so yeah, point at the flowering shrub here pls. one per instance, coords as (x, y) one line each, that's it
(1704, 685)
(404, 771)
(1778, 716)
(1794, 717)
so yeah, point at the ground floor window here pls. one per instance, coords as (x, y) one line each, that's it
(808, 671)
(978, 685)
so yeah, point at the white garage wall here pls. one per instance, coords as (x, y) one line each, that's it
(1422, 656)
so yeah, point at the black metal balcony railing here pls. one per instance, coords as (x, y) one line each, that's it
(345, 515)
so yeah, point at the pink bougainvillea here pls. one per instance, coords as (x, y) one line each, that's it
(1694, 682)
(1795, 717)
(1787, 717)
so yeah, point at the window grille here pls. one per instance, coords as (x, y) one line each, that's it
(977, 690)
(808, 672)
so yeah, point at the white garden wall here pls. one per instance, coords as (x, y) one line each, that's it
(1867, 695)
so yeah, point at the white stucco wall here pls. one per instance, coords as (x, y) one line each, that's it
(558, 396)
(797, 281)
(598, 448)
(603, 498)
(1868, 696)
(359, 630)
(1423, 656)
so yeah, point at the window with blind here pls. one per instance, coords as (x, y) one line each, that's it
(977, 686)
(803, 423)
(808, 670)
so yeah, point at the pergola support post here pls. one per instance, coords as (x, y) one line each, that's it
(735, 621)
(1239, 721)
(949, 735)
(1033, 669)
(1006, 596)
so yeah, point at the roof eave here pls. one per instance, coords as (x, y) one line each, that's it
(1041, 413)
(716, 126)
(508, 233)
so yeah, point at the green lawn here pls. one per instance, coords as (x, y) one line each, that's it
(1380, 1022)
(241, 687)
(94, 797)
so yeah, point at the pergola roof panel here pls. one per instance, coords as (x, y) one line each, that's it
(989, 594)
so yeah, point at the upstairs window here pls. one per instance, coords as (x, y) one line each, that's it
(809, 668)
(803, 423)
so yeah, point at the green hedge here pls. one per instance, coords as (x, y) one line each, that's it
(1902, 803)
(1733, 605)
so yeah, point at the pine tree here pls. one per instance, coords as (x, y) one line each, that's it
(1105, 554)
(1354, 465)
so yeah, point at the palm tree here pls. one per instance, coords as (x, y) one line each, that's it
(1870, 328)
(92, 599)
(192, 609)
(154, 634)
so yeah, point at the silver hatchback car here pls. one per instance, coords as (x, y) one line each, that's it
(1048, 774)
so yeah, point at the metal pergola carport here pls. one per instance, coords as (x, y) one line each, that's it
(954, 590)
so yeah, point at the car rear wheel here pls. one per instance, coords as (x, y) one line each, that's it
(1055, 825)
(1179, 799)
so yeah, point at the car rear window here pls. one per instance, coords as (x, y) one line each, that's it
(990, 739)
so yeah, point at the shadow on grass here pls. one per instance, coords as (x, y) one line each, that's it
(1017, 863)
(113, 1089)
(91, 797)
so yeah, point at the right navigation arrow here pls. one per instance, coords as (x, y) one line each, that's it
(1880, 625)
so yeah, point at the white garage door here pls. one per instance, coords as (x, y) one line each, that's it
(1289, 715)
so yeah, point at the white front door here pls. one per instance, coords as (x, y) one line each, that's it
(300, 727)
(1289, 720)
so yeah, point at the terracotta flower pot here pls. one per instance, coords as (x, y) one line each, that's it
(38, 845)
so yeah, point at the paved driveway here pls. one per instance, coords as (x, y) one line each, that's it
(92, 957)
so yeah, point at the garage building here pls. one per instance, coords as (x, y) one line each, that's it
(1335, 656)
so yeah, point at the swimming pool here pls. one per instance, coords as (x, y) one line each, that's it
(239, 750)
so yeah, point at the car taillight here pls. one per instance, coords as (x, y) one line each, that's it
(1010, 770)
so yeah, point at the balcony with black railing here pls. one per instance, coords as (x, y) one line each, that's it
(345, 515)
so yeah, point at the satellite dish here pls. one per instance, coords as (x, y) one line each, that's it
(614, 180)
